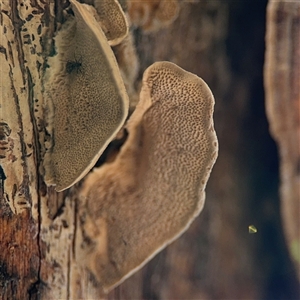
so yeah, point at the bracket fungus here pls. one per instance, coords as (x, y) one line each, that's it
(112, 19)
(86, 100)
(155, 188)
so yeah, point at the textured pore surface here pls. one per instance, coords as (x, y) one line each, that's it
(155, 188)
(113, 20)
(90, 101)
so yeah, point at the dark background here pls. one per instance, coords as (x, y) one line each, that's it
(224, 43)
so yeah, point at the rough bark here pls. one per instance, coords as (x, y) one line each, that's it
(221, 41)
(20, 251)
(37, 225)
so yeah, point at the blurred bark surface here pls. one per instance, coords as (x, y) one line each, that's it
(223, 42)
(282, 84)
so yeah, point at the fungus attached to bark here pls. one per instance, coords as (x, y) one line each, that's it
(85, 96)
(154, 189)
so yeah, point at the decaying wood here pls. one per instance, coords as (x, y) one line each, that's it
(37, 225)
(282, 84)
(19, 226)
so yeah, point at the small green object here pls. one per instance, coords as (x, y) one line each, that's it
(295, 250)
(252, 229)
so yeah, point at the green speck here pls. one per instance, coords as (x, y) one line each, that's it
(295, 250)
(252, 229)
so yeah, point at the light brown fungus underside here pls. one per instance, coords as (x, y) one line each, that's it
(155, 188)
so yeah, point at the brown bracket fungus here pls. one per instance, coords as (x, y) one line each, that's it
(85, 96)
(112, 19)
(149, 195)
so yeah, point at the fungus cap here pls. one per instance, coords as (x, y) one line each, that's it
(88, 101)
(154, 189)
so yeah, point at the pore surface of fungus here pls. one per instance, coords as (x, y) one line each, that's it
(154, 189)
(86, 96)
(112, 19)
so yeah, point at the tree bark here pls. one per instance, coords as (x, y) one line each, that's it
(220, 41)
(37, 224)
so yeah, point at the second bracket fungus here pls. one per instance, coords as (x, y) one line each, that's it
(85, 96)
(112, 19)
(155, 188)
